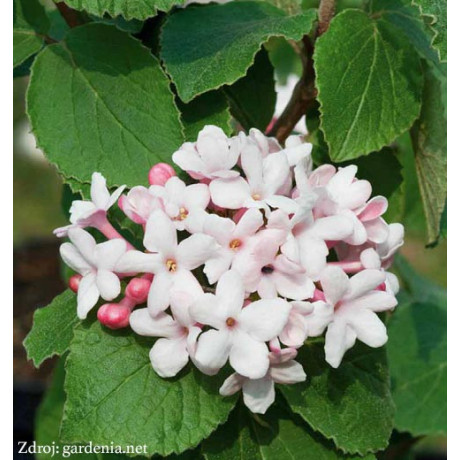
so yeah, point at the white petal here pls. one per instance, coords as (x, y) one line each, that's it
(364, 281)
(370, 259)
(249, 223)
(265, 319)
(229, 193)
(100, 196)
(232, 384)
(162, 325)
(169, 356)
(322, 315)
(195, 251)
(214, 268)
(375, 301)
(220, 228)
(335, 284)
(188, 160)
(249, 357)
(368, 328)
(108, 284)
(84, 242)
(207, 310)
(196, 196)
(377, 230)
(335, 346)
(333, 228)
(137, 261)
(230, 292)
(72, 257)
(115, 195)
(313, 253)
(87, 296)
(109, 252)
(295, 332)
(160, 234)
(259, 395)
(288, 373)
(159, 294)
(213, 349)
(275, 171)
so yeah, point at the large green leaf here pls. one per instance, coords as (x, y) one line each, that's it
(114, 394)
(129, 9)
(429, 139)
(30, 24)
(417, 353)
(206, 47)
(351, 405)
(371, 92)
(278, 435)
(99, 101)
(53, 327)
(252, 98)
(437, 12)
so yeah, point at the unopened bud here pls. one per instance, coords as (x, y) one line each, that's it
(160, 173)
(74, 282)
(114, 315)
(138, 289)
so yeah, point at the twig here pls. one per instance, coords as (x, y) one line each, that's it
(304, 93)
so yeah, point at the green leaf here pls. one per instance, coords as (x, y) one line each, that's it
(30, 23)
(436, 10)
(252, 98)
(404, 16)
(417, 353)
(99, 101)
(371, 93)
(201, 58)
(114, 394)
(208, 109)
(351, 405)
(129, 9)
(53, 328)
(278, 435)
(429, 140)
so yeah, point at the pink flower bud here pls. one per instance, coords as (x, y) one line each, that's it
(114, 315)
(160, 173)
(74, 282)
(138, 289)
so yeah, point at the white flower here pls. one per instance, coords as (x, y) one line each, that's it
(296, 330)
(179, 333)
(139, 203)
(213, 155)
(85, 213)
(185, 205)
(259, 394)
(170, 262)
(96, 263)
(264, 179)
(239, 332)
(232, 238)
(353, 304)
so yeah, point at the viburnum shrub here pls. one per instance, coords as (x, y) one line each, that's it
(233, 299)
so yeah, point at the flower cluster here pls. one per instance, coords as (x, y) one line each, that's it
(244, 261)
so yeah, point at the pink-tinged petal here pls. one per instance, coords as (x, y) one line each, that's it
(375, 301)
(295, 332)
(249, 223)
(108, 253)
(100, 196)
(212, 145)
(364, 281)
(175, 190)
(335, 346)
(160, 234)
(186, 292)
(229, 193)
(230, 293)
(267, 288)
(220, 228)
(84, 242)
(276, 171)
(343, 178)
(370, 259)
(356, 194)
(282, 356)
(377, 230)
(297, 152)
(335, 284)
(162, 325)
(322, 315)
(295, 286)
(313, 253)
(373, 208)
(251, 162)
(169, 356)
(322, 175)
(282, 202)
(72, 257)
(303, 308)
(264, 319)
(259, 395)
(333, 228)
(394, 242)
(197, 195)
(195, 251)
(279, 220)
(159, 294)
(213, 349)
(194, 221)
(214, 268)
(137, 261)
(88, 295)
(248, 356)
(108, 284)
(232, 384)
(368, 328)
(81, 210)
(138, 204)
(207, 310)
(192, 338)
(288, 373)
(392, 283)
(115, 195)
